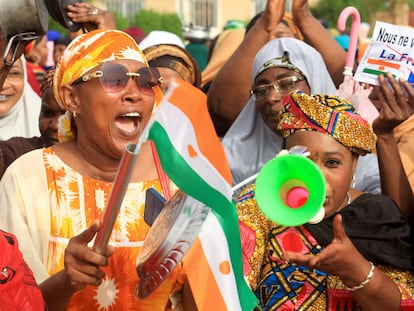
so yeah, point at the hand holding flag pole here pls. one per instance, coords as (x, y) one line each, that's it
(120, 185)
(192, 156)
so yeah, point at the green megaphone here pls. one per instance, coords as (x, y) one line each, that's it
(291, 190)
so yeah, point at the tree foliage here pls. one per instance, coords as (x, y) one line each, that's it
(330, 10)
(149, 20)
(121, 21)
(54, 25)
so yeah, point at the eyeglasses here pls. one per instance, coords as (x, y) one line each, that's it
(282, 86)
(114, 77)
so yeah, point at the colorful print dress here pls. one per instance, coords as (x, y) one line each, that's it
(283, 286)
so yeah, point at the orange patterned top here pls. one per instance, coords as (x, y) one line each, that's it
(76, 202)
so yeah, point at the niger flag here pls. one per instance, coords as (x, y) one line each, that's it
(193, 158)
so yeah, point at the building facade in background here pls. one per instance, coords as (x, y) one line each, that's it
(213, 14)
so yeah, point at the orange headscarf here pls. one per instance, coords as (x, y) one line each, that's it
(85, 52)
(90, 50)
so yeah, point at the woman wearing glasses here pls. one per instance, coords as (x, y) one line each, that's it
(283, 65)
(19, 104)
(50, 112)
(49, 195)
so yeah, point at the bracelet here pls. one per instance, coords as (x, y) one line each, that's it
(364, 282)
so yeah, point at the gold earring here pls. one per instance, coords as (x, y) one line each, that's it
(75, 114)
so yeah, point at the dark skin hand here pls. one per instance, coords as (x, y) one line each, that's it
(82, 264)
(82, 268)
(394, 100)
(80, 12)
(317, 36)
(271, 16)
(342, 259)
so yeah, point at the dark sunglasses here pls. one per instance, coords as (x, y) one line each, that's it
(282, 86)
(114, 77)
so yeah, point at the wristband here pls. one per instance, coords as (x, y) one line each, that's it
(364, 282)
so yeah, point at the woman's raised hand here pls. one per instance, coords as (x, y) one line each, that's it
(340, 258)
(394, 100)
(90, 16)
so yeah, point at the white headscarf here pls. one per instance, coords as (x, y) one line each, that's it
(156, 37)
(23, 118)
(250, 143)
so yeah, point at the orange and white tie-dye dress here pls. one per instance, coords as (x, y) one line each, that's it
(76, 202)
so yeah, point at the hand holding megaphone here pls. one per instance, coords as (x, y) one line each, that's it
(291, 189)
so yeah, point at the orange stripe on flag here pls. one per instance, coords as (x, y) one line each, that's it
(379, 62)
(208, 294)
(209, 144)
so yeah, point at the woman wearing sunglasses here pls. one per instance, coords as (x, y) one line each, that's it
(18, 287)
(49, 195)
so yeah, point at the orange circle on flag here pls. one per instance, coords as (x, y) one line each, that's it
(224, 267)
(191, 151)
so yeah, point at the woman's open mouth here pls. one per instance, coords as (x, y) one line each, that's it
(129, 123)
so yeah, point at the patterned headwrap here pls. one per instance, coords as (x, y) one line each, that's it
(327, 114)
(282, 61)
(85, 52)
(176, 58)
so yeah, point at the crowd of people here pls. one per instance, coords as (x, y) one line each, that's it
(269, 86)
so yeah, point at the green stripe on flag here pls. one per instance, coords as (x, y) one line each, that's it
(182, 174)
(376, 72)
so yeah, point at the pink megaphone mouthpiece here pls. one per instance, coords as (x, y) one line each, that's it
(297, 197)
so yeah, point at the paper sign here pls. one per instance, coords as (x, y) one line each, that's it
(390, 50)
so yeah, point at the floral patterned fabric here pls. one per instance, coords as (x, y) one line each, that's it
(52, 203)
(76, 202)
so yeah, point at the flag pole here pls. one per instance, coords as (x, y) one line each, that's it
(123, 176)
(244, 182)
